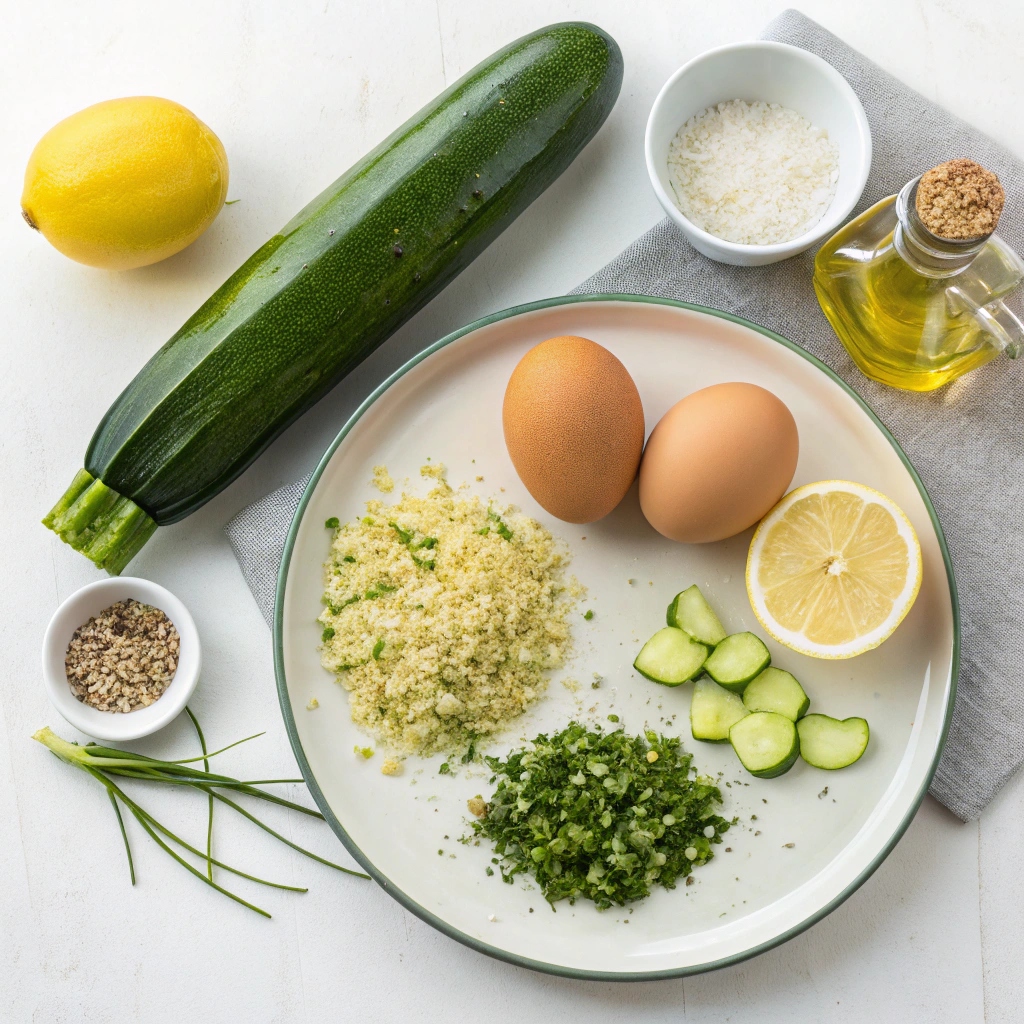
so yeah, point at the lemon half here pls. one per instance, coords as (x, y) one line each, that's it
(833, 569)
(125, 183)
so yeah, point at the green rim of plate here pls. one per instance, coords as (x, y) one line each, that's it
(432, 919)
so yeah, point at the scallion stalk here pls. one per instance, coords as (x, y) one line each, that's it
(101, 763)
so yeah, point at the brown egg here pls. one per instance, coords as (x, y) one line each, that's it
(574, 427)
(717, 462)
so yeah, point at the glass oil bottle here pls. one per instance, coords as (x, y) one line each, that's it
(915, 310)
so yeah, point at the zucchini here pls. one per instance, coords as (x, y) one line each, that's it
(670, 657)
(337, 280)
(714, 710)
(689, 610)
(736, 660)
(830, 743)
(774, 689)
(766, 743)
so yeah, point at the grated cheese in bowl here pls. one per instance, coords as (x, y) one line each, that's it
(753, 173)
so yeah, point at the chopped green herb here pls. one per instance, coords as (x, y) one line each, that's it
(588, 614)
(377, 591)
(366, 752)
(501, 529)
(484, 531)
(369, 521)
(584, 812)
(333, 523)
(488, 870)
(407, 537)
(445, 769)
(336, 608)
(378, 649)
(613, 718)
(469, 754)
(327, 634)
(348, 558)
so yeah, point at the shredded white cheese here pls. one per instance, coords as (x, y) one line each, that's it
(753, 173)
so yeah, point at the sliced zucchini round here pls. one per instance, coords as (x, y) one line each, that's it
(714, 711)
(830, 743)
(670, 657)
(775, 689)
(691, 612)
(766, 743)
(736, 660)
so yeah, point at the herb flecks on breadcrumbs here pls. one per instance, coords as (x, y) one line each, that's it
(443, 616)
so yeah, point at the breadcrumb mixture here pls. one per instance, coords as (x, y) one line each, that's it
(443, 616)
(382, 480)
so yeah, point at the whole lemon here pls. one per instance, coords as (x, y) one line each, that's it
(126, 182)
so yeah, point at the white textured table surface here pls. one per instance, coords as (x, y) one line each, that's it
(297, 92)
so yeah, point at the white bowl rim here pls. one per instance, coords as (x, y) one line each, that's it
(832, 217)
(105, 725)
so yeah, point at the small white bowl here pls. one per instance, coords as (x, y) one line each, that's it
(76, 611)
(773, 73)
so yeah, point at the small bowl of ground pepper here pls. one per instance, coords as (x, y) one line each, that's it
(121, 658)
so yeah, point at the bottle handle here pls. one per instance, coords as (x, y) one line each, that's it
(1003, 325)
(996, 319)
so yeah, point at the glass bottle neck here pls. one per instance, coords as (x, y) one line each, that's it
(926, 253)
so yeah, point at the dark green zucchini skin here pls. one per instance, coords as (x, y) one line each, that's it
(351, 267)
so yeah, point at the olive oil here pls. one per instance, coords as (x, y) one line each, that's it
(915, 311)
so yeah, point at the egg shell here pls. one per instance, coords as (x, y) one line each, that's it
(717, 462)
(574, 427)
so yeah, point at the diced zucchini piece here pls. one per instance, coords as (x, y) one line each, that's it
(766, 743)
(671, 657)
(774, 689)
(736, 660)
(714, 711)
(690, 611)
(830, 743)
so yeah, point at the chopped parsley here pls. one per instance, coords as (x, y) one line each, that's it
(500, 528)
(336, 608)
(588, 614)
(327, 634)
(445, 769)
(378, 649)
(408, 538)
(332, 524)
(590, 816)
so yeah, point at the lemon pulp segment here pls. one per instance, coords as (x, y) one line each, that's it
(833, 569)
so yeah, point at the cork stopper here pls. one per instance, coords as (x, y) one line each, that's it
(959, 200)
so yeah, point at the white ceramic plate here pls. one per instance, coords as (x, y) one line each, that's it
(808, 848)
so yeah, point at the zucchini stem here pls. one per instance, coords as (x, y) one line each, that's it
(106, 527)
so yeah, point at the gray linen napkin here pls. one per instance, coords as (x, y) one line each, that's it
(964, 440)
